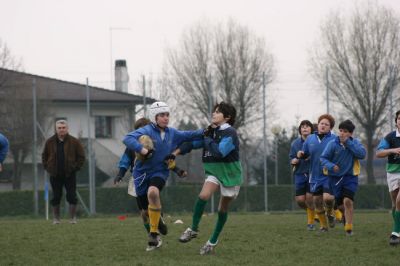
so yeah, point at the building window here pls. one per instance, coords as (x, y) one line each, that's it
(103, 125)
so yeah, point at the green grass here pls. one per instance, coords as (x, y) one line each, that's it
(247, 239)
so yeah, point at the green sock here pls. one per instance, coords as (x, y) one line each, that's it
(222, 217)
(197, 213)
(396, 226)
(147, 226)
(393, 211)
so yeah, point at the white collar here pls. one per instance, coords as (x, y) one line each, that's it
(224, 126)
(397, 133)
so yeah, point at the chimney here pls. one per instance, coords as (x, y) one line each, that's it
(121, 76)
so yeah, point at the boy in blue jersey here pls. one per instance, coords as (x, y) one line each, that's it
(151, 174)
(301, 170)
(319, 183)
(3, 150)
(390, 147)
(222, 169)
(340, 160)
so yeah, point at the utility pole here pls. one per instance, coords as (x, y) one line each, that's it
(265, 148)
(327, 89)
(34, 151)
(210, 102)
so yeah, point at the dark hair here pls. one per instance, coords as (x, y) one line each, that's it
(347, 125)
(328, 117)
(141, 122)
(305, 123)
(228, 110)
(397, 115)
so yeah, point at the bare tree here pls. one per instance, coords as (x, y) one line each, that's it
(222, 62)
(16, 111)
(362, 55)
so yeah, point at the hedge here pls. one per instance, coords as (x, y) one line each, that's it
(182, 197)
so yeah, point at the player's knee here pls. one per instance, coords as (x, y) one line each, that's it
(348, 203)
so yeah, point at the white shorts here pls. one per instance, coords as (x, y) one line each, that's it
(393, 181)
(131, 187)
(231, 192)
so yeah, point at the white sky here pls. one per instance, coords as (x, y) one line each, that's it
(71, 40)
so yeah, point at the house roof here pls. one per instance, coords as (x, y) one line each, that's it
(65, 91)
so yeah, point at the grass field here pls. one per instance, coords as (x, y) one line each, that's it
(247, 239)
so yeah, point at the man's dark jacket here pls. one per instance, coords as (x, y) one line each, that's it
(74, 155)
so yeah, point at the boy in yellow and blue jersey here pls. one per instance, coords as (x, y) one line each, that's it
(340, 160)
(301, 169)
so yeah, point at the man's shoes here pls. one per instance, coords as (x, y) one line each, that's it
(331, 221)
(73, 221)
(208, 248)
(154, 242)
(310, 227)
(162, 227)
(394, 240)
(56, 221)
(188, 235)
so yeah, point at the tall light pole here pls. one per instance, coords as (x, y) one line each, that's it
(265, 148)
(111, 54)
(276, 129)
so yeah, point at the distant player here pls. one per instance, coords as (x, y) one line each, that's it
(341, 159)
(390, 147)
(301, 168)
(319, 183)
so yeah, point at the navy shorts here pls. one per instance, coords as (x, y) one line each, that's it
(142, 184)
(343, 187)
(302, 184)
(320, 186)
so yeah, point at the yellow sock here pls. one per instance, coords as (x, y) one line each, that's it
(322, 219)
(310, 216)
(348, 227)
(338, 215)
(154, 215)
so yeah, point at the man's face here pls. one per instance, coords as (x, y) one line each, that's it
(61, 130)
(324, 126)
(162, 120)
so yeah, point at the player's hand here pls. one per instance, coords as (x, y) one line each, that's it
(147, 153)
(336, 169)
(117, 179)
(170, 161)
(294, 161)
(396, 151)
(300, 154)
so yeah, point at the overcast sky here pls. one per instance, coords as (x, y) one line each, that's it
(71, 40)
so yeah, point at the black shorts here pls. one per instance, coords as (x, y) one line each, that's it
(142, 201)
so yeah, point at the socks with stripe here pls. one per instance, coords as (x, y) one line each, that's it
(154, 215)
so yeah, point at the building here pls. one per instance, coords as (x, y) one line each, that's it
(112, 113)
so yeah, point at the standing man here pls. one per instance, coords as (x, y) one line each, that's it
(301, 169)
(390, 147)
(3, 150)
(62, 157)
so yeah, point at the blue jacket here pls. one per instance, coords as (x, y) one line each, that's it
(3, 147)
(155, 166)
(303, 167)
(345, 156)
(313, 148)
